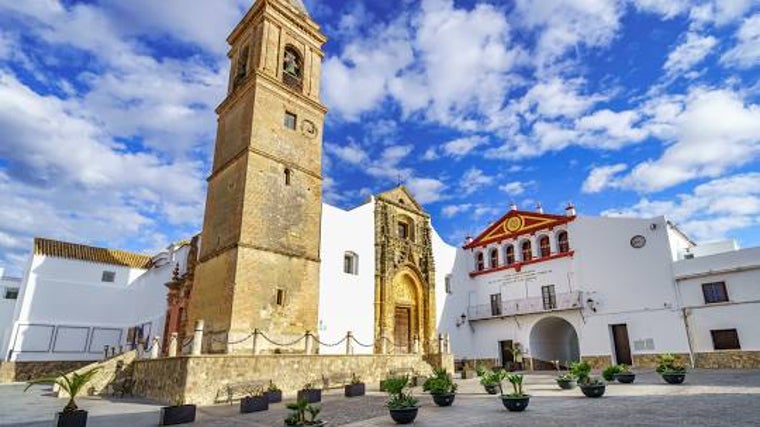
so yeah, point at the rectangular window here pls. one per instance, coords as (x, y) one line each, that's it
(108, 276)
(290, 120)
(496, 305)
(280, 297)
(714, 292)
(448, 283)
(725, 339)
(403, 230)
(11, 293)
(350, 263)
(549, 297)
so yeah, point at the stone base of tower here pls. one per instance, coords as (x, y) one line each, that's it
(202, 379)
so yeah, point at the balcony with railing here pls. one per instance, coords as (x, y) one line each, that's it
(518, 307)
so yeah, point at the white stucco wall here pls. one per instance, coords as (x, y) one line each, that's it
(347, 301)
(7, 310)
(66, 312)
(740, 270)
(627, 286)
(444, 256)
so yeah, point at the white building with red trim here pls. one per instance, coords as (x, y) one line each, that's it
(564, 287)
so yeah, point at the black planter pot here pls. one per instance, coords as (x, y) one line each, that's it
(567, 385)
(404, 416)
(311, 396)
(181, 414)
(76, 418)
(515, 404)
(254, 404)
(355, 390)
(274, 396)
(443, 399)
(627, 378)
(674, 378)
(491, 388)
(319, 424)
(593, 390)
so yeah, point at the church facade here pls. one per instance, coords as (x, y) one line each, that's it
(550, 289)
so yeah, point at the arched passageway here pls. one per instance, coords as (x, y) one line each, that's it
(553, 339)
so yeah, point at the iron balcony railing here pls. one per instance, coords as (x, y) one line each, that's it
(517, 307)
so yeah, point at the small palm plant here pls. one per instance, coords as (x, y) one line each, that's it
(299, 415)
(72, 386)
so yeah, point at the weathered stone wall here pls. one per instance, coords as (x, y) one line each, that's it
(24, 371)
(161, 379)
(598, 362)
(201, 379)
(728, 360)
(650, 360)
(108, 370)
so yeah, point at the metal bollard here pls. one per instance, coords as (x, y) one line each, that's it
(349, 346)
(255, 342)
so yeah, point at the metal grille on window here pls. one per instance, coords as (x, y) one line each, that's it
(549, 297)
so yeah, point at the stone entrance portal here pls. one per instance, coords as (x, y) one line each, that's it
(553, 338)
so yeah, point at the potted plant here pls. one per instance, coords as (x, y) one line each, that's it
(516, 401)
(441, 387)
(303, 414)
(255, 401)
(274, 394)
(177, 414)
(402, 406)
(490, 380)
(593, 386)
(356, 388)
(625, 376)
(480, 369)
(610, 371)
(671, 372)
(310, 394)
(590, 386)
(71, 416)
(567, 381)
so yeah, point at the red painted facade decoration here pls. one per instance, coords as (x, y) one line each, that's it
(516, 224)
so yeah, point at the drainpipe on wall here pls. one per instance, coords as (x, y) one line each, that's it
(685, 313)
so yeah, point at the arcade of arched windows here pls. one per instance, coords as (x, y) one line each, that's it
(522, 249)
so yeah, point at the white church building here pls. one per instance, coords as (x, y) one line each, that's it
(608, 290)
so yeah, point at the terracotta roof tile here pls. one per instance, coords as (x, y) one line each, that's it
(79, 252)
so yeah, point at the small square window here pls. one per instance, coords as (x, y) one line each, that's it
(280, 297)
(448, 283)
(496, 305)
(108, 276)
(725, 339)
(403, 230)
(290, 120)
(11, 293)
(714, 292)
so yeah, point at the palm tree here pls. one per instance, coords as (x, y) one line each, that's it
(73, 386)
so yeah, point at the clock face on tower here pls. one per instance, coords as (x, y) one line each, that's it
(638, 241)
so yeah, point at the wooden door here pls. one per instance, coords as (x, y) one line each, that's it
(401, 330)
(507, 357)
(622, 345)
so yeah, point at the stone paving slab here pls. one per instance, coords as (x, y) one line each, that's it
(709, 398)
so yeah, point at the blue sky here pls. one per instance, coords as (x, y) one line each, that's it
(623, 107)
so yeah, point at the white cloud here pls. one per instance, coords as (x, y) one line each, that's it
(689, 53)
(610, 129)
(515, 188)
(714, 132)
(559, 98)
(453, 210)
(746, 53)
(668, 9)
(351, 153)
(463, 146)
(426, 190)
(712, 211)
(565, 24)
(473, 180)
(601, 177)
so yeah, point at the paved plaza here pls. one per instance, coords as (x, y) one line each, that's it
(709, 398)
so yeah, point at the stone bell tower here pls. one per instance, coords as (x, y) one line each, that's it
(259, 256)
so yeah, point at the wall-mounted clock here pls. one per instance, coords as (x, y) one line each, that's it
(638, 241)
